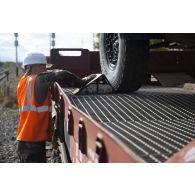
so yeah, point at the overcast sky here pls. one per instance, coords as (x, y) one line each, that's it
(40, 42)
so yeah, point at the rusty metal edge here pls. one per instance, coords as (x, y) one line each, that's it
(185, 155)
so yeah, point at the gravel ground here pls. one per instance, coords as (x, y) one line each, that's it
(9, 119)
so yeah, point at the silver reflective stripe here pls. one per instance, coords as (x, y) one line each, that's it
(29, 91)
(35, 109)
(30, 107)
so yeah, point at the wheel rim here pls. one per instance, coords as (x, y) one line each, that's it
(111, 44)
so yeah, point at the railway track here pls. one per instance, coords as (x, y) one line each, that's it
(154, 122)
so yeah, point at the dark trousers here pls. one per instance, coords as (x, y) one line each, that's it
(31, 152)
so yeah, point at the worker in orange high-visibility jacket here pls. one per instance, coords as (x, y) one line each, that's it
(34, 101)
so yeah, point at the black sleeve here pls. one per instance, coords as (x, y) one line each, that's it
(42, 83)
(63, 77)
(45, 79)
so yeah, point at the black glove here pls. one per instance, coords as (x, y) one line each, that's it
(68, 79)
(88, 79)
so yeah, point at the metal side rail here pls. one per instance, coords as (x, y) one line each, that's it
(4, 76)
(151, 125)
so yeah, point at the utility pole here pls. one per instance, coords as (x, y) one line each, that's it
(82, 43)
(52, 40)
(16, 46)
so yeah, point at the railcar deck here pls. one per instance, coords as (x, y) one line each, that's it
(154, 122)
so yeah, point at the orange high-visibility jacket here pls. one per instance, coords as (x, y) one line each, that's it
(35, 119)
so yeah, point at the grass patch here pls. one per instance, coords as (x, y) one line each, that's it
(9, 102)
(8, 96)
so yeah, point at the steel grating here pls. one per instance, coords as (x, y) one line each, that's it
(155, 123)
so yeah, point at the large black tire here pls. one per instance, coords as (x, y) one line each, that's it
(123, 61)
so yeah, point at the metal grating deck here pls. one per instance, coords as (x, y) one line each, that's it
(153, 122)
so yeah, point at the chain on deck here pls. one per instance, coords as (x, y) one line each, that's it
(155, 123)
